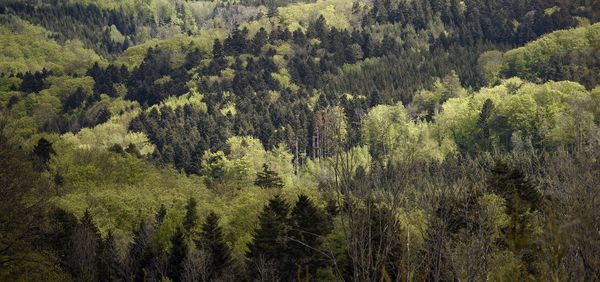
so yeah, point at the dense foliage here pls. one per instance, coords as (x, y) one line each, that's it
(328, 140)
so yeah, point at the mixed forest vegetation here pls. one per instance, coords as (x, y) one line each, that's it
(278, 140)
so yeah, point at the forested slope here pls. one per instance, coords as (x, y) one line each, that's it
(327, 140)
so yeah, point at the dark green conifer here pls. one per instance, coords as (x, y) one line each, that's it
(268, 178)
(191, 216)
(109, 266)
(213, 242)
(179, 251)
(269, 245)
(308, 225)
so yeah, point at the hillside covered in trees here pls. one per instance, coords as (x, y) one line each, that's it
(280, 140)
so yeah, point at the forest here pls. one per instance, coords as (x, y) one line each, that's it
(299, 140)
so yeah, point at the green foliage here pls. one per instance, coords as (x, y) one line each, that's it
(22, 190)
(268, 178)
(392, 136)
(490, 64)
(109, 184)
(561, 55)
(28, 48)
(547, 115)
(190, 220)
(427, 103)
(267, 252)
(212, 241)
(179, 252)
(374, 108)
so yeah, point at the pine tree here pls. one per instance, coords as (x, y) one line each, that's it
(522, 198)
(137, 252)
(213, 243)
(308, 226)
(259, 40)
(160, 215)
(482, 123)
(179, 251)
(269, 245)
(268, 178)
(32, 82)
(109, 267)
(191, 216)
(85, 241)
(74, 100)
(218, 54)
(42, 152)
(512, 184)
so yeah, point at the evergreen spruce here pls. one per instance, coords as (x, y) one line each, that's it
(308, 226)
(213, 243)
(109, 266)
(160, 215)
(269, 245)
(268, 178)
(179, 251)
(42, 152)
(137, 252)
(191, 216)
(85, 242)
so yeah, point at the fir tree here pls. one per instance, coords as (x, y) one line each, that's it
(268, 178)
(512, 184)
(212, 241)
(136, 255)
(177, 256)
(269, 245)
(191, 216)
(482, 123)
(259, 40)
(74, 100)
(85, 241)
(42, 152)
(308, 226)
(109, 267)
(160, 215)
(522, 199)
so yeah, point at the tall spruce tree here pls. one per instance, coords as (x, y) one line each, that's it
(179, 252)
(109, 266)
(268, 250)
(137, 252)
(85, 241)
(160, 215)
(42, 152)
(308, 226)
(213, 243)
(268, 178)
(191, 216)
(522, 200)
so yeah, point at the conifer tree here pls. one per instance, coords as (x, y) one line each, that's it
(85, 241)
(213, 243)
(135, 260)
(74, 100)
(179, 250)
(160, 215)
(109, 267)
(512, 184)
(191, 216)
(522, 199)
(42, 153)
(259, 40)
(308, 226)
(268, 178)
(268, 249)
(482, 122)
